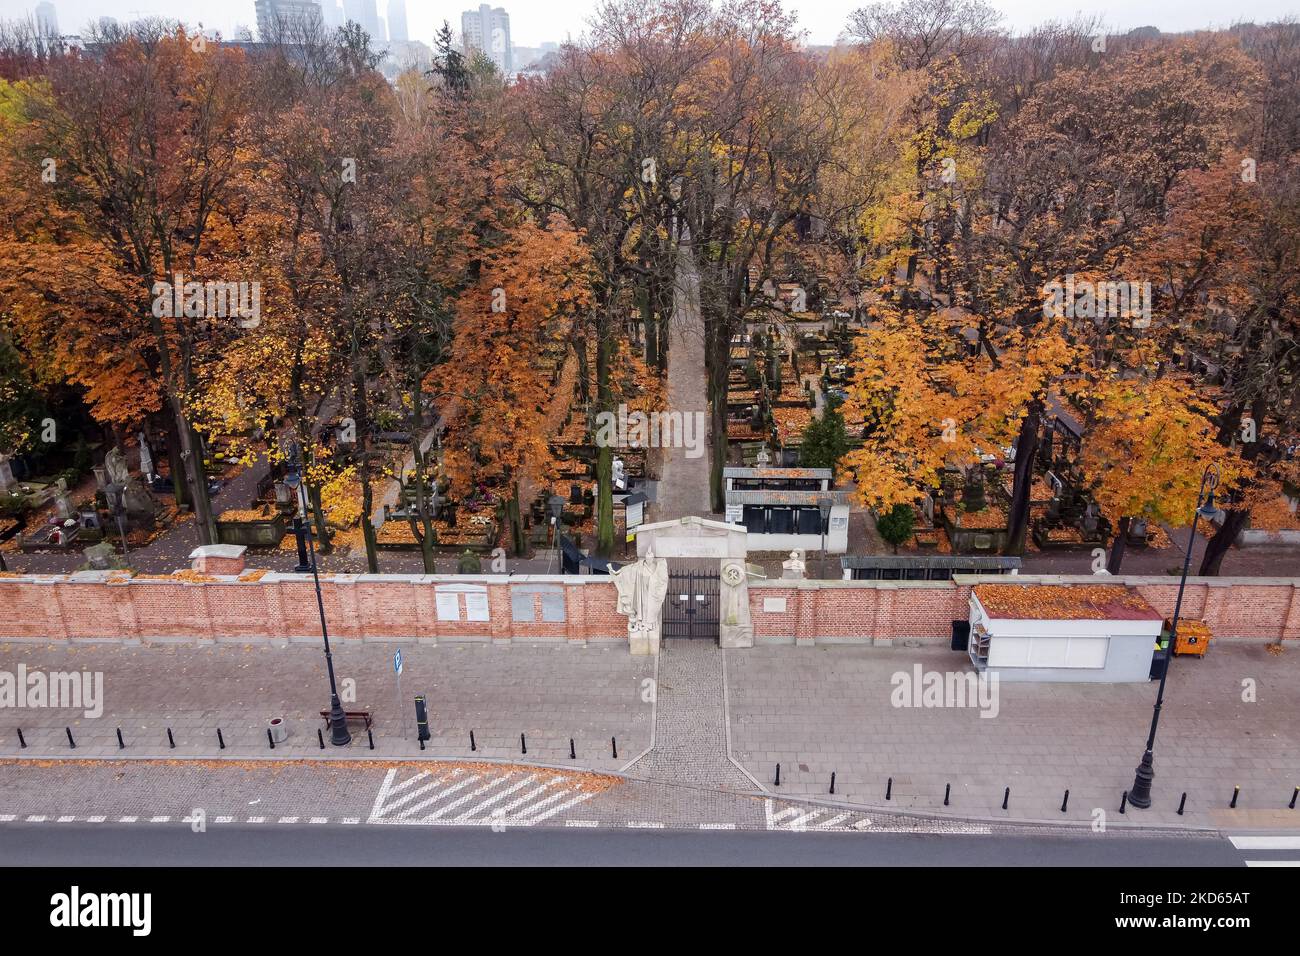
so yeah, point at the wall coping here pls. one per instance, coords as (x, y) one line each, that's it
(958, 580)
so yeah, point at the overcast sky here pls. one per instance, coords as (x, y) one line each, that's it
(533, 21)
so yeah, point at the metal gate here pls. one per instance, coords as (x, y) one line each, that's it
(691, 605)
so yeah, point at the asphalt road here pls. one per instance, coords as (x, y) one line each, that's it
(173, 845)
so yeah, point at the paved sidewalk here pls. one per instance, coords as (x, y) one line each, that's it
(550, 694)
(690, 742)
(828, 709)
(683, 487)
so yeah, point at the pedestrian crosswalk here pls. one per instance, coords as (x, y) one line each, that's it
(496, 797)
(1257, 847)
(805, 818)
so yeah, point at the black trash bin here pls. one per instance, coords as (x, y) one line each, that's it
(1160, 658)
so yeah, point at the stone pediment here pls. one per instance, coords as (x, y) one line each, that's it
(692, 537)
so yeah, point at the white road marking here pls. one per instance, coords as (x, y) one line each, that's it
(1266, 842)
(1273, 862)
(65, 819)
(288, 820)
(460, 798)
(582, 823)
(256, 820)
(717, 826)
(351, 820)
(642, 825)
(127, 819)
(224, 820)
(320, 819)
(36, 819)
(7, 817)
(160, 820)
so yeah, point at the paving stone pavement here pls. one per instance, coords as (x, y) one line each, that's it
(690, 737)
(547, 693)
(828, 709)
(683, 487)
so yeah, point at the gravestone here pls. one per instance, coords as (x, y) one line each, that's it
(6, 474)
(100, 557)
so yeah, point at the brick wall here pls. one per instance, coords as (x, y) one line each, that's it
(884, 611)
(105, 606)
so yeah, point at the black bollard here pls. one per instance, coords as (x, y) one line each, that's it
(1182, 803)
(120, 744)
(1006, 795)
(221, 740)
(421, 743)
(71, 743)
(472, 746)
(778, 775)
(573, 754)
(171, 741)
(1066, 801)
(832, 781)
(947, 789)
(1235, 792)
(320, 735)
(370, 734)
(269, 739)
(613, 743)
(889, 787)
(1293, 796)
(22, 744)
(1123, 801)
(523, 744)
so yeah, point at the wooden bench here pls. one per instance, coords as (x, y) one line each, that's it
(350, 715)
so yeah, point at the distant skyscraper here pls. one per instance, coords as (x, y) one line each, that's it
(488, 29)
(365, 13)
(47, 21)
(397, 31)
(332, 13)
(289, 17)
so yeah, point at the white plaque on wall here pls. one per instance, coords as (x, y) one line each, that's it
(448, 606)
(476, 606)
(774, 605)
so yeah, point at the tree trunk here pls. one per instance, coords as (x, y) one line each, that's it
(605, 456)
(324, 544)
(1026, 449)
(1117, 546)
(1222, 540)
(367, 528)
(518, 542)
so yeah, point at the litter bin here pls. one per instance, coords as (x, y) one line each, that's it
(1160, 656)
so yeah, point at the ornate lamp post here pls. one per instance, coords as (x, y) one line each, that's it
(339, 734)
(1140, 795)
(824, 509)
(555, 504)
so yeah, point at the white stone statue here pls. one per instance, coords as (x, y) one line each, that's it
(146, 460)
(115, 467)
(794, 568)
(642, 586)
(735, 627)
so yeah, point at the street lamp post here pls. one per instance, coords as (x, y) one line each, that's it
(339, 734)
(1140, 795)
(824, 509)
(555, 504)
(116, 495)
